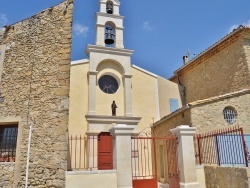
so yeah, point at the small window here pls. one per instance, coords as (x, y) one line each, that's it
(173, 104)
(229, 114)
(8, 139)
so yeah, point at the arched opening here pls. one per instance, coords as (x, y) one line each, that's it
(109, 7)
(109, 38)
(111, 63)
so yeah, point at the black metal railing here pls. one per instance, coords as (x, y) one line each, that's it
(226, 146)
(8, 140)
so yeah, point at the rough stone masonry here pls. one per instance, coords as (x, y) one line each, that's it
(35, 91)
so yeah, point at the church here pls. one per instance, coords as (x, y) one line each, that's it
(141, 97)
(71, 122)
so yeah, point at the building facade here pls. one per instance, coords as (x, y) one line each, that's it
(34, 102)
(108, 75)
(215, 86)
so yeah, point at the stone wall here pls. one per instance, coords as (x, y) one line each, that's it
(209, 115)
(222, 69)
(2, 31)
(35, 88)
(6, 174)
(227, 177)
(163, 127)
(247, 49)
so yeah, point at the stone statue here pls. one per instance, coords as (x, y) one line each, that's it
(113, 107)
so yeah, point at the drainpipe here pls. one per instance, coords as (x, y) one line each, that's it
(183, 91)
(28, 158)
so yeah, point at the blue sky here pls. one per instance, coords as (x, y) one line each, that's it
(159, 31)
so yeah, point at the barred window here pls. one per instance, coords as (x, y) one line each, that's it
(229, 115)
(8, 139)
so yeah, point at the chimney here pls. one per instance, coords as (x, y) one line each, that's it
(185, 59)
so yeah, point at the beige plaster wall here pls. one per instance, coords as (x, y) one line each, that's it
(167, 90)
(227, 177)
(143, 98)
(147, 91)
(35, 88)
(91, 180)
(223, 70)
(78, 107)
(210, 115)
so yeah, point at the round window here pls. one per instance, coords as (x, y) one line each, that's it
(108, 84)
(229, 115)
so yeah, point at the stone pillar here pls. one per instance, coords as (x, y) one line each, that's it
(186, 156)
(128, 95)
(92, 148)
(92, 93)
(122, 154)
(119, 38)
(100, 31)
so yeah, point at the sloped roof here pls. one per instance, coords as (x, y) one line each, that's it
(192, 61)
(199, 102)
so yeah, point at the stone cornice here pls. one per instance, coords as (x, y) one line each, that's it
(127, 76)
(108, 50)
(81, 61)
(109, 15)
(144, 71)
(116, 2)
(113, 119)
(93, 72)
(220, 97)
(102, 25)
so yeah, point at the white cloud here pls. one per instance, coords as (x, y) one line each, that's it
(3, 19)
(80, 30)
(147, 26)
(247, 24)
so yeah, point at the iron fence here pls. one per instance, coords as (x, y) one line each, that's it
(153, 158)
(226, 146)
(80, 150)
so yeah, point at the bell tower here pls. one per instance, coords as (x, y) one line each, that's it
(109, 79)
(109, 24)
(109, 51)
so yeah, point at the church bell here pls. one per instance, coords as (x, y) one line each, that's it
(109, 8)
(109, 36)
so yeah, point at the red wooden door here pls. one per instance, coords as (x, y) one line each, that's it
(105, 154)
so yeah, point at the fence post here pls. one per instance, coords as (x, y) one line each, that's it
(186, 156)
(122, 154)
